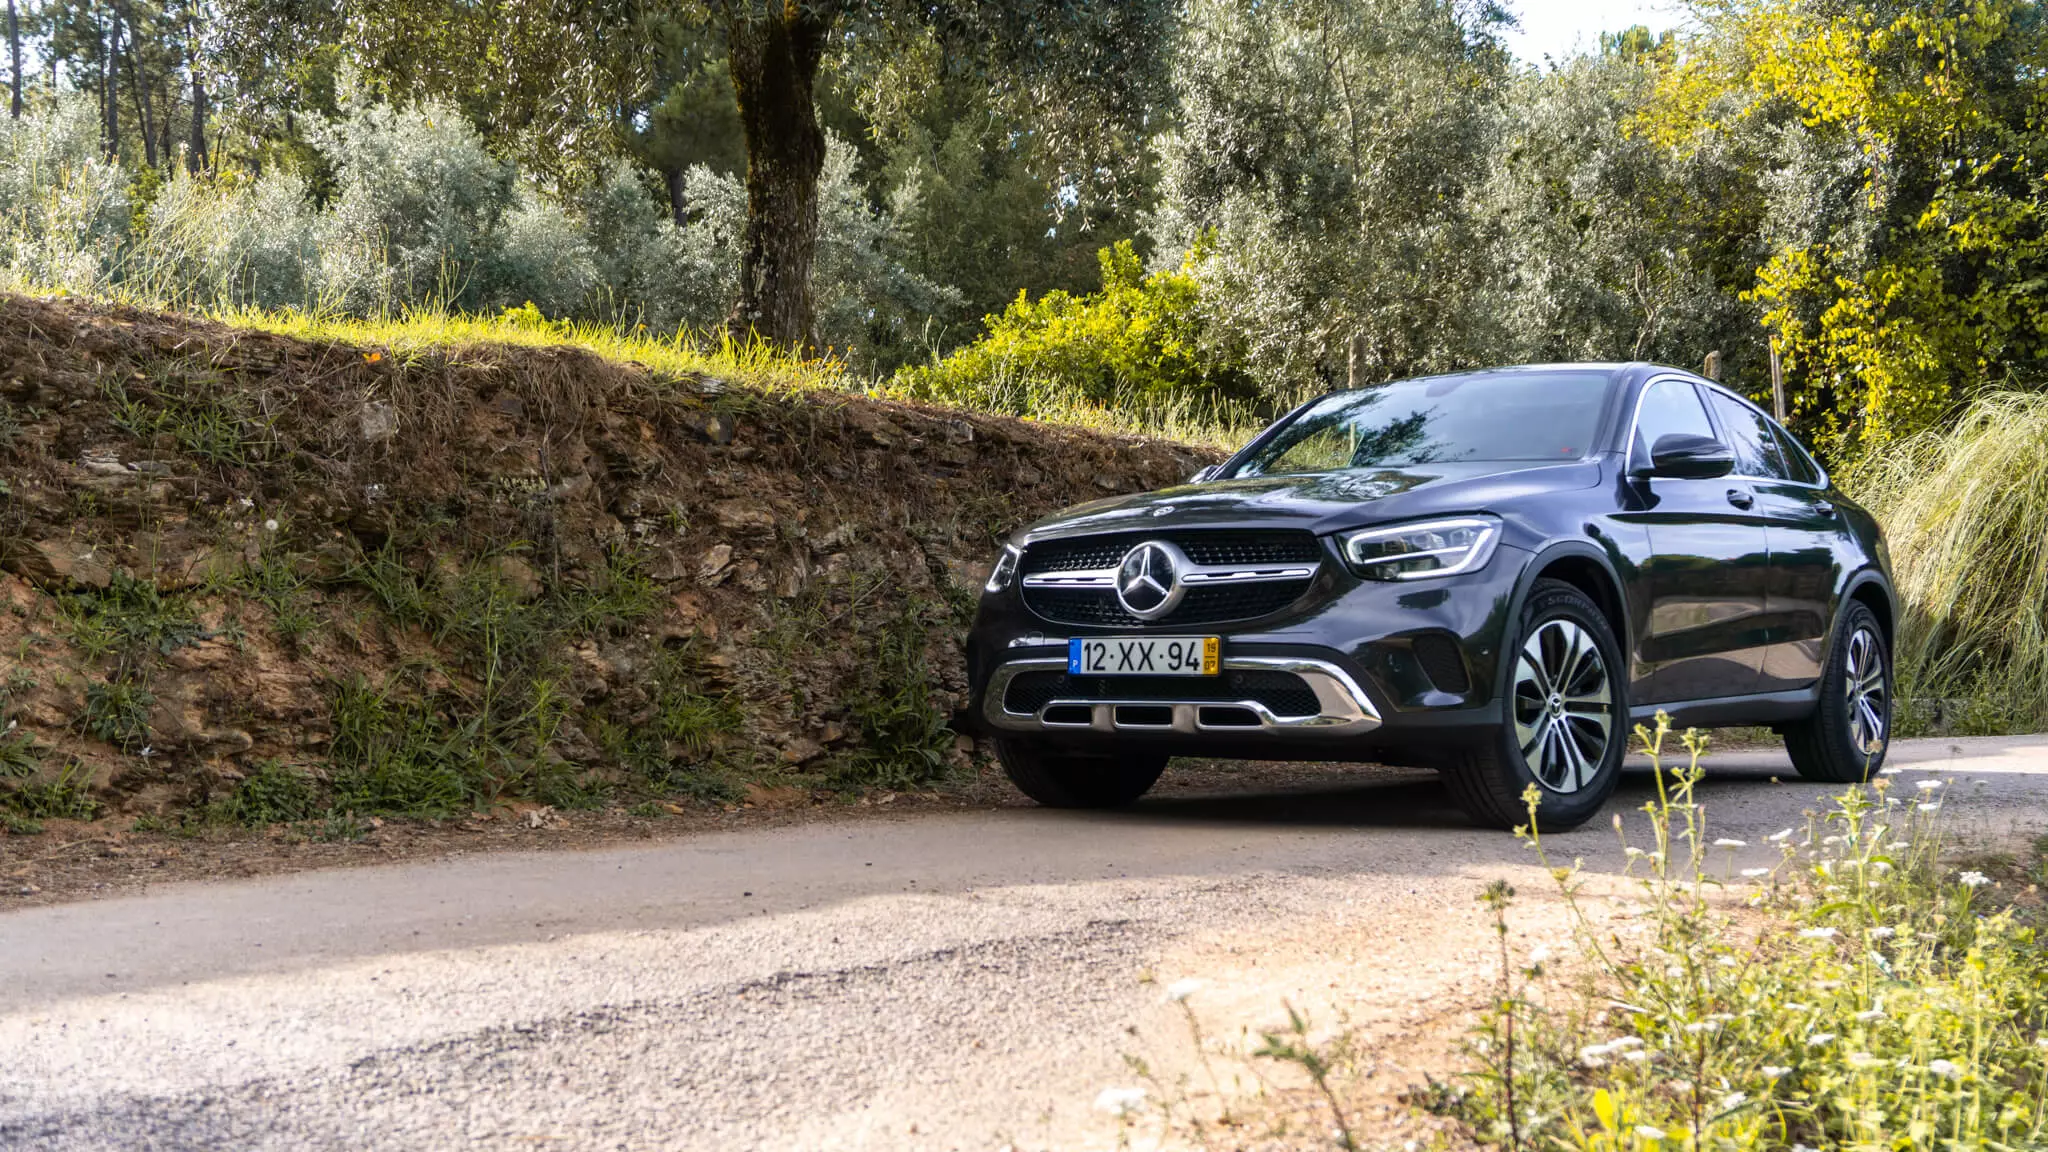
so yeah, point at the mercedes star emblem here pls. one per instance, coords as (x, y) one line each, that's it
(1148, 581)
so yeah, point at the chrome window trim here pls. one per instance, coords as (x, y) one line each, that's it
(1635, 422)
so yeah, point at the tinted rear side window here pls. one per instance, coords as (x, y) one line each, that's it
(1749, 434)
(1669, 408)
(1798, 464)
(1484, 416)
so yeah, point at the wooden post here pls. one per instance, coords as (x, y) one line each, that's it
(1712, 368)
(1777, 383)
(1355, 369)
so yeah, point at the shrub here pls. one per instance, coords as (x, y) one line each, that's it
(225, 243)
(1966, 513)
(1136, 342)
(63, 207)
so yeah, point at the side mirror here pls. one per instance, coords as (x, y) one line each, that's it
(1208, 473)
(1683, 456)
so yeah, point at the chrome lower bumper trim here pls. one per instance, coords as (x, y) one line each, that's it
(1343, 709)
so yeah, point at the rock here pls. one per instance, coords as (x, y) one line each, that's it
(519, 576)
(801, 749)
(712, 427)
(790, 584)
(957, 431)
(744, 516)
(58, 564)
(1028, 475)
(507, 404)
(379, 422)
(717, 565)
(967, 575)
(1108, 483)
(751, 577)
(833, 732)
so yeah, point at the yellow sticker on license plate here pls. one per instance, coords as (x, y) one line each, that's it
(1144, 656)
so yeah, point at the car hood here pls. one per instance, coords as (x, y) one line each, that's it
(1322, 501)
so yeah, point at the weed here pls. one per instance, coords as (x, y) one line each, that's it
(271, 793)
(276, 583)
(904, 739)
(129, 619)
(340, 828)
(20, 755)
(679, 751)
(68, 797)
(19, 825)
(201, 417)
(117, 711)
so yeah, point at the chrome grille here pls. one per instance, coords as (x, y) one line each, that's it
(1249, 573)
(1285, 693)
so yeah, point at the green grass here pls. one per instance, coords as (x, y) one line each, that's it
(1966, 513)
(117, 711)
(130, 619)
(68, 797)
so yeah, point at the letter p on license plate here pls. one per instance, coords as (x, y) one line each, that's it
(1144, 656)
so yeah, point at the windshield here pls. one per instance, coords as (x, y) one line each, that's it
(1441, 419)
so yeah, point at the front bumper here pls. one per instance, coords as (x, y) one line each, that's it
(1343, 708)
(1392, 665)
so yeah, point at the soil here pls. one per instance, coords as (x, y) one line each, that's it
(249, 573)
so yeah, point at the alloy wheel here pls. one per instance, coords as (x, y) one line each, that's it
(1869, 695)
(1563, 705)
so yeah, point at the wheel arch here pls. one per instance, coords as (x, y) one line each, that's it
(1585, 568)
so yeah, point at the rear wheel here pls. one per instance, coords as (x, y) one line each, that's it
(1563, 730)
(1844, 741)
(1078, 780)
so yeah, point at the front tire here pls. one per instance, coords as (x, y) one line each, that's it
(1078, 780)
(1844, 741)
(1564, 726)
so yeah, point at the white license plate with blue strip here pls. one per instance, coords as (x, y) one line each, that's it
(1144, 656)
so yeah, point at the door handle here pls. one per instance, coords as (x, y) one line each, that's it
(1823, 508)
(1740, 499)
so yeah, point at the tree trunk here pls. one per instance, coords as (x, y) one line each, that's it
(678, 199)
(110, 91)
(139, 92)
(14, 57)
(195, 145)
(774, 70)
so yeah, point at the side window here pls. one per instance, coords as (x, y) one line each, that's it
(1798, 464)
(1670, 407)
(1749, 434)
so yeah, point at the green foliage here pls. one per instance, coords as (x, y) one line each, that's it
(117, 711)
(270, 793)
(1134, 343)
(129, 619)
(1888, 1004)
(1966, 513)
(68, 797)
(904, 737)
(683, 747)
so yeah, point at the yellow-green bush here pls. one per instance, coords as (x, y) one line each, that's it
(1137, 343)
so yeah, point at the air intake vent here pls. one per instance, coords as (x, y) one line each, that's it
(1443, 663)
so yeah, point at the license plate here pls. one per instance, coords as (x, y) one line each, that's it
(1146, 656)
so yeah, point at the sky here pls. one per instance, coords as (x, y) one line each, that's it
(1556, 27)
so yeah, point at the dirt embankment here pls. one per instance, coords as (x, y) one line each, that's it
(266, 579)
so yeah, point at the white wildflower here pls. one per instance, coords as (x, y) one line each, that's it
(1540, 954)
(1934, 807)
(1780, 836)
(1944, 1068)
(1120, 1101)
(1863, 1060)
(1928, 785)
(1882, 933)
(1973, 879)
(1869, 1014)
(1880, 866)
(1725, 842)
(270, 525)
(1180, 990)
(1734, 1100)
(1649, 1133)
(1889, 771)
(1634, 852)
(1819, 1039)
(1831, 841)
(1817, 933)
(1774, 1071)
(244, 502)
(1699, 1026)
(1637, 1056)
(1753, 873)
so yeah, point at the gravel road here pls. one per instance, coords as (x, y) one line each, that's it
(966, 980)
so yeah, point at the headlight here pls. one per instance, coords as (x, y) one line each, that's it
(1005, 572)
(1416, 551)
